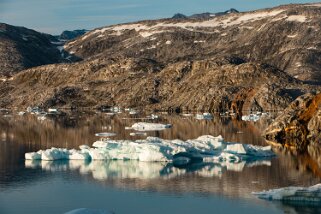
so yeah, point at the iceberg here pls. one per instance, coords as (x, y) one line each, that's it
(152, 149)
(251, 117)
(105, 134)
(293, 194)
(254, 117)
(204, 116)
(142, 126)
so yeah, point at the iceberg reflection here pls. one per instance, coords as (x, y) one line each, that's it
(103, 170)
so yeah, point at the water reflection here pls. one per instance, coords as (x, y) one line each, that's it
(103, 170)
(27, 134)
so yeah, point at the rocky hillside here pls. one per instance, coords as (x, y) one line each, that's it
(260, 60)
(286, 37)
(22, 48)
(68, 35)
(218, 84)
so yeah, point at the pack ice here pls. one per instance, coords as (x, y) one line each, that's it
(293, 194)
(204, 148)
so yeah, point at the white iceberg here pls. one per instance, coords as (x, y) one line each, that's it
(204, 116)
(255, 116)
(293, 194)
(205, 148)
(105, 134)
(251, 117)
(142, 126)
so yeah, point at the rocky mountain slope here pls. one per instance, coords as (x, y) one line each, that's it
(259, 61)
(68, 35)
(285, 37)
(22, 48)
(204, 15)
(214, 84)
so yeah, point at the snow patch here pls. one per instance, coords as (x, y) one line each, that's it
(151, 47)
(168, 42)
(297, 18)
(292, 36)
(147, 31)
(312, 48)
(200, 41)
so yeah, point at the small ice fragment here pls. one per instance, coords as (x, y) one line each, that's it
(21, 113)
(142, 126)
(105, 134)
(204, 116)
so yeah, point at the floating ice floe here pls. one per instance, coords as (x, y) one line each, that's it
(133, 112)
(254, 117)
(88, 211)
(153, 116)
(21, 113)
(293, 194)
(204, 116)
(142, 126)
(53, 111)
(205, 148)
(105, 134)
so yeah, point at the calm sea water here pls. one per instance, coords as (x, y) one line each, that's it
(137, 187)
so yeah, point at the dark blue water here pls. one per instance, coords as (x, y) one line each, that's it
(137, 187)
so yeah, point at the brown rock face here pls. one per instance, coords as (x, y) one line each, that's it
(299, 125)
(208, 85)
(22, 48)
(285, 37)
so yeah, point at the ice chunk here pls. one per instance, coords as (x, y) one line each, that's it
(105, 134)
(204, 116)
(33, 155)
(55, 154)
(142, 126)
(78, 155)
(249, 150)
(236, 148)
(87, 211)
(251, 117)
(156, 149)
(21, 113)
(293, 194)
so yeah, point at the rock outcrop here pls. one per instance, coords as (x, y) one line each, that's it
(299, 125)
(22, 48)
